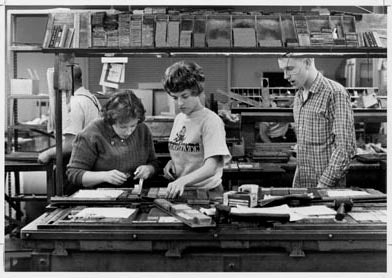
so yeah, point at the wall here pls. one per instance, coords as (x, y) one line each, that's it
(246, 72)
(151, 69)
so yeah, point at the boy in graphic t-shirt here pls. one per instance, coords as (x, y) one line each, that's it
(197, 142)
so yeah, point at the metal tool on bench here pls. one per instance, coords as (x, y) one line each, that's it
(247, 195)
(138, 187)
(293, 200)
(226, 214)
(342, 206)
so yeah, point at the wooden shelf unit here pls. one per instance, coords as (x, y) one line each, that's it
(333, 51)
(252, 114)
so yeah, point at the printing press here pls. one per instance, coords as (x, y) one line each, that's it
(288, 229)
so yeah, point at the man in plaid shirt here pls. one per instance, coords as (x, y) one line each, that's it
(324, 125)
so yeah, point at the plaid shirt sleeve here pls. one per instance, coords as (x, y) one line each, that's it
(344, 132)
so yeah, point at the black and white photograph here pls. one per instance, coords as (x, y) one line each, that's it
(145, 138)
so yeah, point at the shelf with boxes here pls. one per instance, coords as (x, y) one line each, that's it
(343, 52)
(175, 32)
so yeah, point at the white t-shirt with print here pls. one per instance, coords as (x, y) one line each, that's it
(195, 138)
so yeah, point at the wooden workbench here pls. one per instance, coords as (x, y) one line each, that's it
(337, 246)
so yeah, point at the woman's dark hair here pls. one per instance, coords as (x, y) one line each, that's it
(122, 107)
(184, 75)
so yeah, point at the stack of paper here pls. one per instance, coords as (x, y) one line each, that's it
(346, 193)
(98, 212)
(296, 213)
(96, 194)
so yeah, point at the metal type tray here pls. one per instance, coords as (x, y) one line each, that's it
(61, 219)
(193, 223)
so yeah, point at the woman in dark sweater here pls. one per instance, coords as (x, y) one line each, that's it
(116, 148)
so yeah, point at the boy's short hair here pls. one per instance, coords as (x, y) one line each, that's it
(77, 74)
(182, 76)
(122, 107)
(292, 57)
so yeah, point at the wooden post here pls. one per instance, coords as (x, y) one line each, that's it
(62, 82)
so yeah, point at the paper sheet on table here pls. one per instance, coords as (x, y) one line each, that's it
(245, 166)
(313, 210)
(373, 216)
(299, 213)
(346, 193)
(95, 194)
(94, 212)
(283, 209)
(168, 219)
(296, 213)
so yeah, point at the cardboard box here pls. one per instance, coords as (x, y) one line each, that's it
(24, 87)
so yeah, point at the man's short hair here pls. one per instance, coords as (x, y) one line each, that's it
(77, 73)
(182, 76)
(289, 55)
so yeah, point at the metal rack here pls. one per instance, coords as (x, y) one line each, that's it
(287, 93)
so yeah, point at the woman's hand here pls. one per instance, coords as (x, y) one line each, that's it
(169, 172)
(143, 172)
(115, 177)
